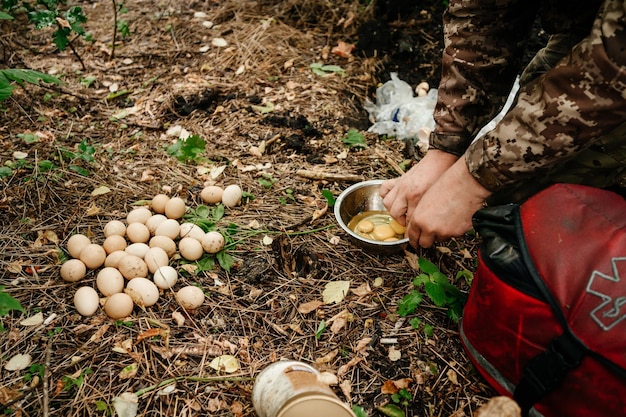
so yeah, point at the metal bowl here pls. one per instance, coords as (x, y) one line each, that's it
(360, 197)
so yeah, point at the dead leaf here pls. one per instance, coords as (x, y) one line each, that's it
(129, 371)
(44, 237)
(362, 290)
(413, 259)
(35, 320)
(92, 210)
(98, 335)
(15, 267)
(444, 250)
(126, 405)
(7, 395)
(345, 368)
(403, 383)
(362, 345)
(338, 324)
(178, 318)
(328, 378)
(226, 363)
(18, 362)
(319, 212)
(389, 388)
(328, 357)
(236, 408)
(394, 354)
(150, 333)
(343, 49)
(346, 389)
(147, 175)
(335, 292)
(452, 376)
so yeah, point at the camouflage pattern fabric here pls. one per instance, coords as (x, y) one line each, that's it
(567, 124)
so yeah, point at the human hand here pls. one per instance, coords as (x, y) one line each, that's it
(446, 208)
(401, 195)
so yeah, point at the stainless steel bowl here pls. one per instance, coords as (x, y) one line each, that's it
(360, 197)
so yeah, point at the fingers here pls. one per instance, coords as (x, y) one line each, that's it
(387, 186)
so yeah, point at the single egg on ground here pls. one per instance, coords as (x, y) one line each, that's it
(118, 306)
(190, 297)
(73, 270)
(86, 301)
(109, 281)
(165, 277)
(143, 291)
(232, 195)
(212, 194)
(76, 243)
(175, 208)
(213, 242)
(93, 256)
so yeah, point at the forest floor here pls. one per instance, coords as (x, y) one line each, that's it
(237, 74)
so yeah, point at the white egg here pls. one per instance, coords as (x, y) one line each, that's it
(165, 277)
(158, 203)
(190, 249)
(109, 281)
(232, 195)
(138, 232)
(169, 228)
(76, 243)
(93, 256)
(165, 243)
(212, 194)
(73, 270)
(138, 215)
(155, 258)
(191, 230)
(213, 242)
(114, 243)
(132, 266)
(175, 208)
(190, 297)
(118, 306)
(86, 301)
(114, 227)
(154, 222)
(137, 249)
(143, 291)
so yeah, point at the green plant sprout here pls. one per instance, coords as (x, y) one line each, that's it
(70, 382)
(84, 152)
(324, 70)
(10, 77)
(8, 304)
(438, 288)
(188, 150)
(354, 139)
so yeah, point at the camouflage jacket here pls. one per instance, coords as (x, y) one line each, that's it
(563, 105)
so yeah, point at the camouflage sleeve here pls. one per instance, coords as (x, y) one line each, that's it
(562, 112)
(483, 44)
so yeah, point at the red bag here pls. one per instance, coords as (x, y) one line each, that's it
(545, 321)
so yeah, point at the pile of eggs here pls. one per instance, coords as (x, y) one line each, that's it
(134, 258)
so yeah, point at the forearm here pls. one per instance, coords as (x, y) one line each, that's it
(563, 112)
(484, 41)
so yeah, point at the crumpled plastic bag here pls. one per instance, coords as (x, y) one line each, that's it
(398, 113)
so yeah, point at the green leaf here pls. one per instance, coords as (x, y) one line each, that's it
(415, 322)
(225, 260)
(5, 16)
(189, 149)
(5, 172)
(391, 410)
(8, 303)
(330, 198)
(436, 293)
(354, 139)
(409, 303)
(468, 276)
(218, 212)
(359, 411)
(205, 263)
(320, 329)
(28, 137)
(421, 279)
(429, 330)
(427, 266)
(29, 76)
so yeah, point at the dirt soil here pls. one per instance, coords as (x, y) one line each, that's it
(265, 116)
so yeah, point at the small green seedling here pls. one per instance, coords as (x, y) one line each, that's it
(320, 330)
(325, 70)
(8, 304)
(188, 150)
(330, 198)
(354, 139)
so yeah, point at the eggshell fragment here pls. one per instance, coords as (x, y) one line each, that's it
(138, 215)
(114, 243)
(76, 243)
(175, 208)
(191, 230)
(132, 266)
(213, 242)
(190, 297)
(155, 258)
(118, 306)
(165, 243)
(109, 281)
(93, 256)
(114, 227)
(143, 291)
(190, 249)
(169, 228)
(158, 203)
(138, 232)
(86, 301)
(232, 195)
(73, 270)
(212, 194)
(165, 277)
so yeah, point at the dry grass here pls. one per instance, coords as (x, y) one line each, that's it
(254, 311)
